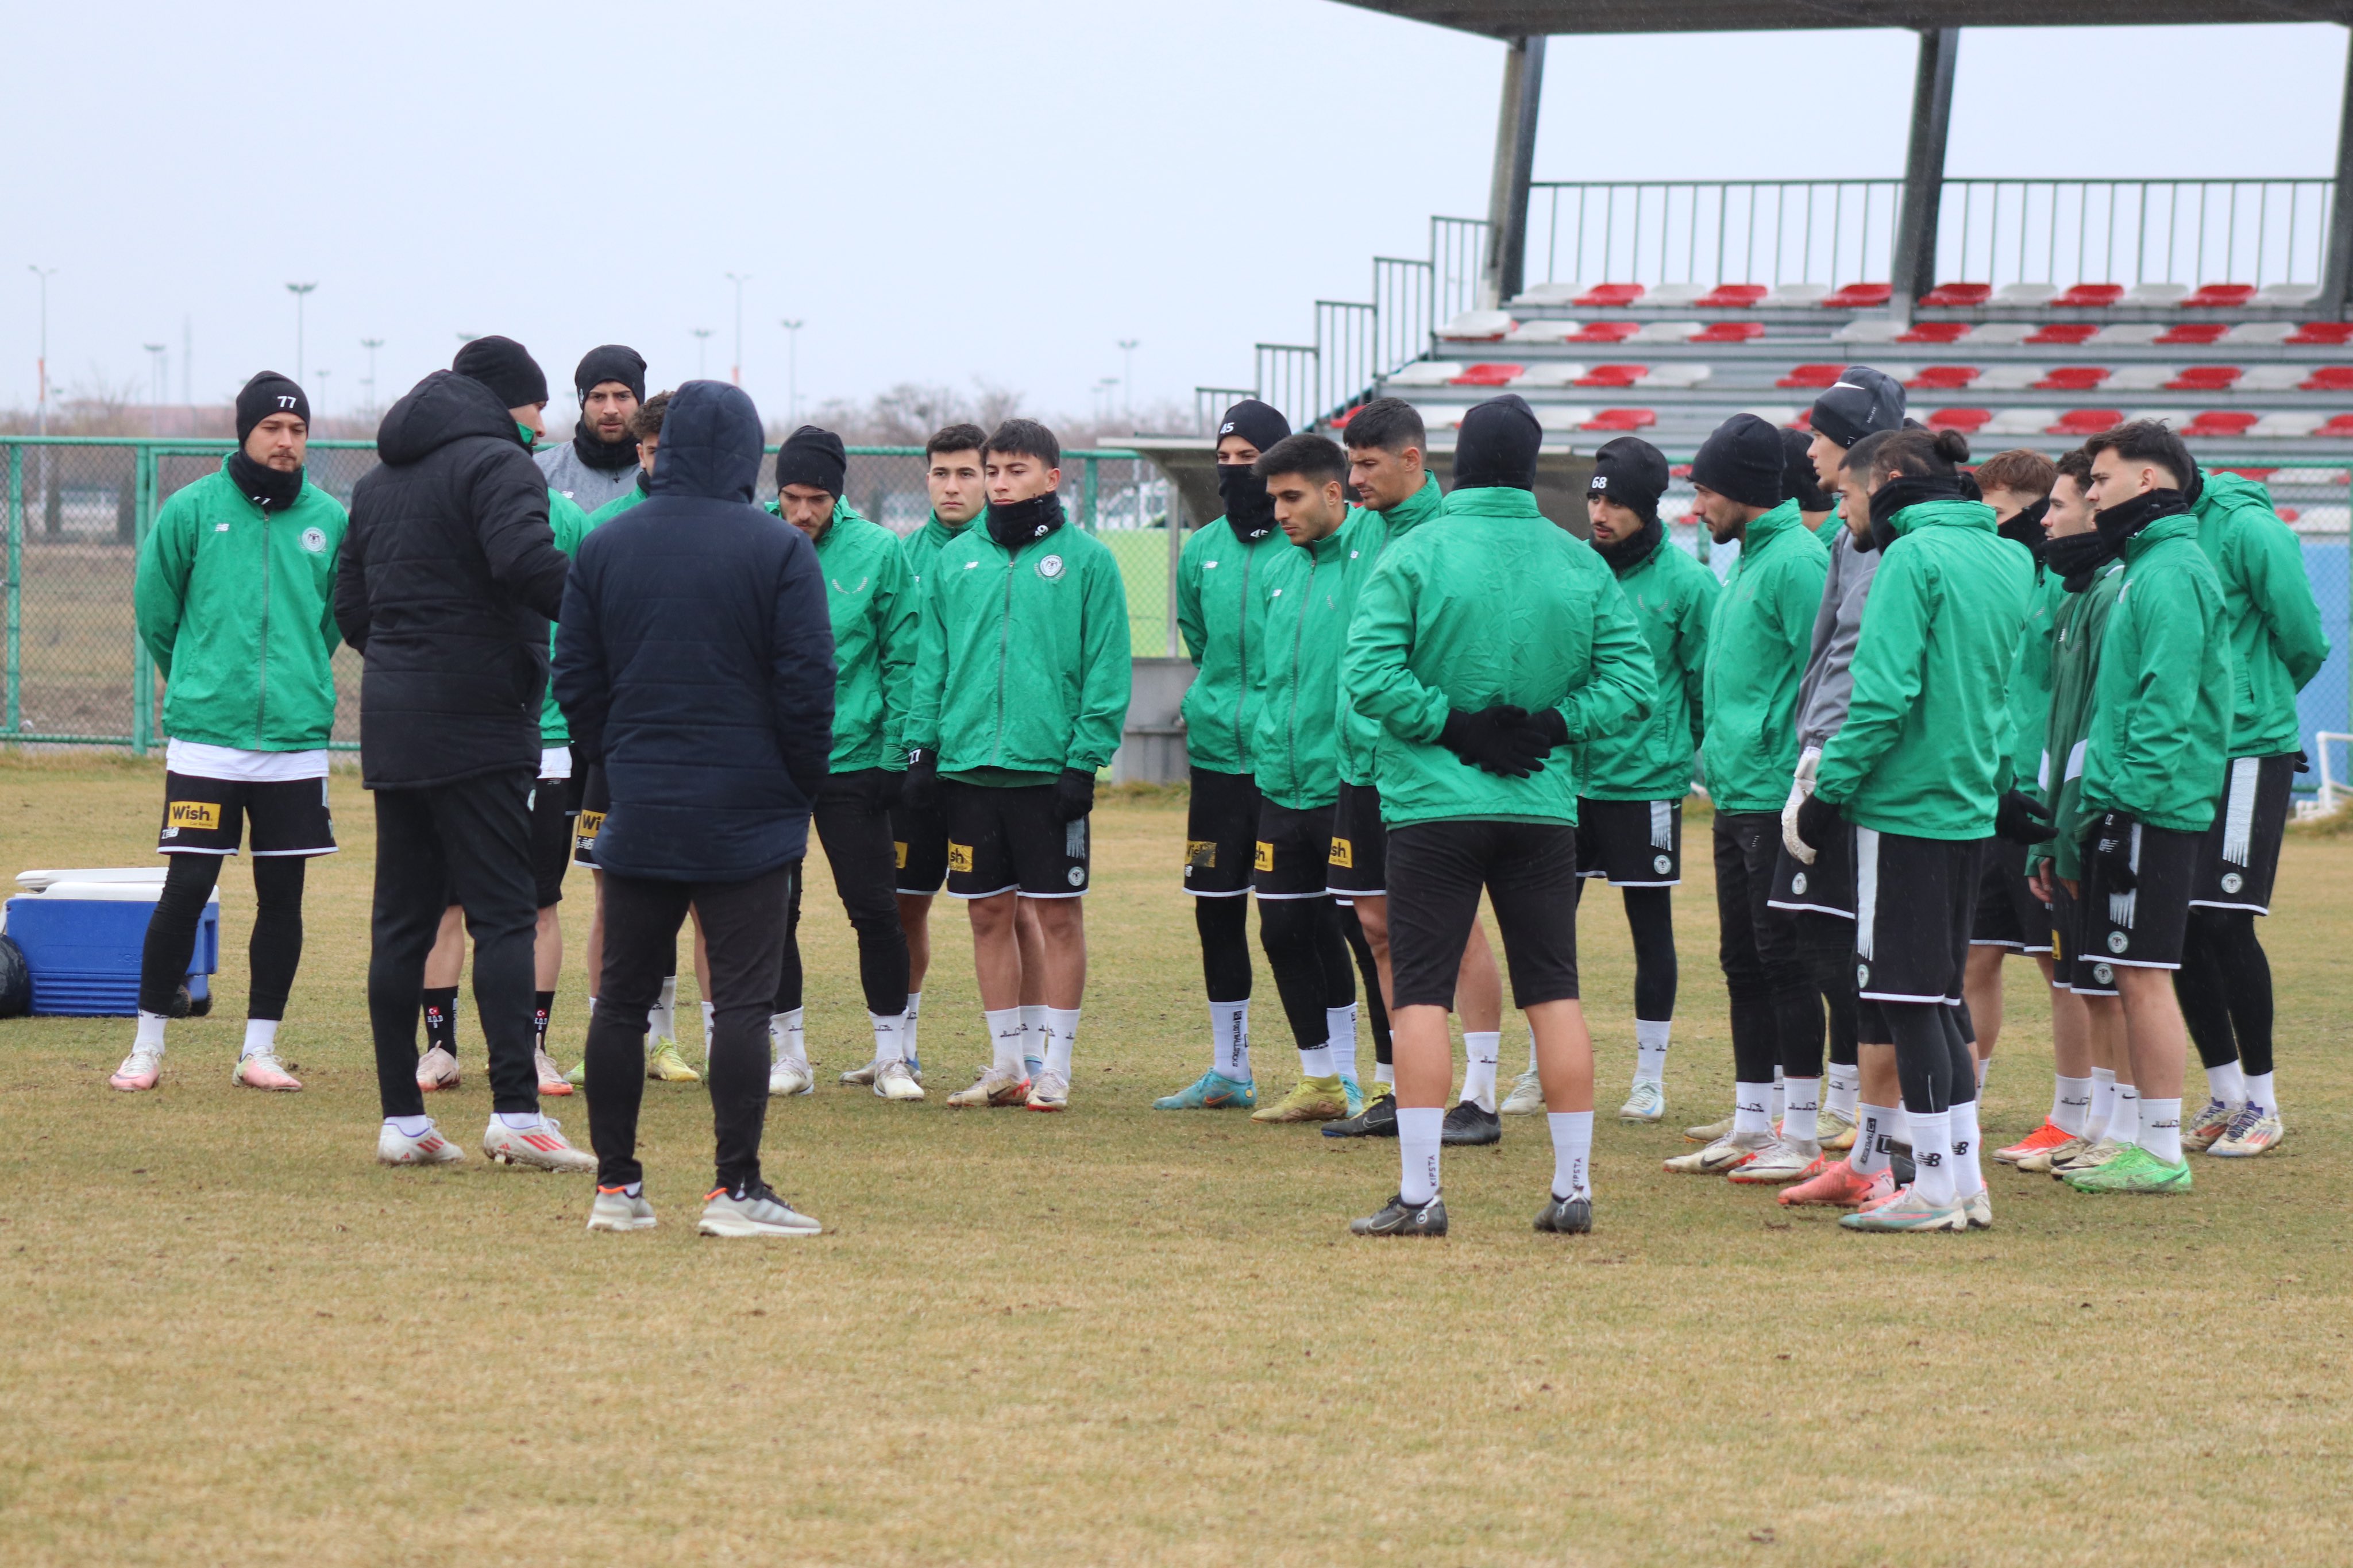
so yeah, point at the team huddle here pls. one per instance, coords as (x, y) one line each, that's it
(1941, 715)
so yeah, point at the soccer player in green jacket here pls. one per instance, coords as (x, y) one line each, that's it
(234, 602)
(1487, 648)
(1915, 774)
(1221, 590)
(1020, 694)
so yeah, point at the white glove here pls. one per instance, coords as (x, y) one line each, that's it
(1799, 850)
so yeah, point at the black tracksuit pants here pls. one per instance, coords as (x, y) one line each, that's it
(1776, 1015)
(855, 831)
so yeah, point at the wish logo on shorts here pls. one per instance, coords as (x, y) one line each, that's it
(190, 814)
(1201, 852)
(959, 856)
(585, 826)
(1344, 853)
(1264, 859)
(899, 849)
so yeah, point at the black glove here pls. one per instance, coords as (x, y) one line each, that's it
(920, 789)
(1496, 739)
(1074, 794)
(1817, 820)
(2022, 819)
(2110, 851)
(1548, 727)
(886, 786)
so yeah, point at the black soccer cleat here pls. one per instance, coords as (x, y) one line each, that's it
(1565, 1217)
(1377, 1119)
(1398, 1217)
(1468, 1123)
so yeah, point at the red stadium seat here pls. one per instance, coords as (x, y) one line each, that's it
(1964, 420)
(2206, 378)
(2064, 333)
(2218, 423)
(1606, 296)
(1604, 332)
(2218, 297)
(2194, 332)
(1811, 376)
(1859, 297)
(2339, 428)
(1613, 375)
(1489, 375)
(1729, 332)
(2323, 334)
(2330, 378)
(1959, 296)
(1730, 297)
(2073, 378)
(1935, 332)
(1804, 421)
(2086, 421)
(2088, 296)
(1622, 420)
(1944, 378)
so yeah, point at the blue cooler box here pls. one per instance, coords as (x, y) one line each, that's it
(82, 940)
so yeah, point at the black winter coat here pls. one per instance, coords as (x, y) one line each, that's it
(694, 656)
(447, 580)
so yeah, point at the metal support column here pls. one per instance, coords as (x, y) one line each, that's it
(2336, 275)
(1923, 168)
(1515, 153)
(15, 588)
(1175, 556)
(142, 665)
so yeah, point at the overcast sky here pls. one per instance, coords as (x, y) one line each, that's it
(940, 192)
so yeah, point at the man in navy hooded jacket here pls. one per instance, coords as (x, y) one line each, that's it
(694, 658)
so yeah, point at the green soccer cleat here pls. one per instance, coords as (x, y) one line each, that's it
(1211, 1091)
(2134, 1170)
(1355, 1093)
(664, 1064)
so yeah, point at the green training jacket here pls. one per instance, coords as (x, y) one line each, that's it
(1358, 736)
(1496, 604)
(922, 547)
(1303, 622)
(570, 526)
(871, 597)
(1022, 665)
(1220, 594)
(1673, 597)
(2159, 732)
(2268, 612)
(1924, 749)
(236, 608)
(1758, 641)
(2058, 774)
(2030, 681)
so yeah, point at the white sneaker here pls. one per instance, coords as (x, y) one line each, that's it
(753, 1211)
(1979, 1207)
(394, 1147)
(1049, 1091)
(542, 1148)
(1526, 1098)
(614, 1209)
(896, 1080)
(551, 1080)
(264, 1070)
(789, 1077)
(437, 1069)
(863, 1076)
(994, 1086)
(139, 1070)
(1647, 1101)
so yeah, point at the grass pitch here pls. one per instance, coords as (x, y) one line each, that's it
(1119, 1334)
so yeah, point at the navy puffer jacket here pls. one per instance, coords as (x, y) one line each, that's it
(694, 656)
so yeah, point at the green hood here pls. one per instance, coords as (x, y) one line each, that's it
(2269, 614)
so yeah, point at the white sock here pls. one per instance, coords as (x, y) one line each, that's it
(1385, 1075)
(516, 1120)
(261, 1038)
(2160, 1130)
(410, 1126)
(889, 1036)
(150, 1036)
(1318, 1063)
(1968, 1179)
(1649, 1049)
(1800, 1121)
(1869, 1155)
(1532, 1050)
(1748, 1109)
(1572, 1153)
(1899, 1125)
(2071, 1104)
(1062, 1025)
(1486, 1049)
(1340, 1031)
(1932, 1157)
(2104, 1103)
(1033, 1038)
(1845, 1088)
(796, 1041)
(1005, 1039)
(907, 1035)
(661, 1018)
(1420, 1129)
(1230, 1039)
(2124, 1122)
(2226, 1084)
(709, 1027)
(2259, 1091)
(1781, 1097)
(1985, 1065)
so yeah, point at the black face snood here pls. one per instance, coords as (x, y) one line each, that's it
(1017, 523)
(1897, 494)
(2027, 528)
(1631, 553)
(2121, 521)
(263, 485)
(605, 458)
(2077, 558)
(1249, 511)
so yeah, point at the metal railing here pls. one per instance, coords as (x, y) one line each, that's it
(77, 507)
(1711, 231)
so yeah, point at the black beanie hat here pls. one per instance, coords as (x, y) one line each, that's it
(612, 362)
(1742, 461)
(1797, 477)
(267, 394)
(1631, 472)
(1864, 400)
(812, 457)
(1260, 424)
(1495, 446)
(504, 366)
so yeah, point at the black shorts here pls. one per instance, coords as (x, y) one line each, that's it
(1913, 909)
(1359, 856)
(1528, 870)
(552, 808)
(2239, 856)
(1824, 887)
(2009, 915)
(1632, 843)
(1221, 826)
(1292, 852)
(207, 817)
(919, 846)
(2143, 929)
(589, 806)
(1001, 839)
(2085, 973)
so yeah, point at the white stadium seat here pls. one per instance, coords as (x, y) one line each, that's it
(1783, 414)
(2156, 294)
(2274, 377)
(1789, 295)
(1543, 332)
(1676, 376)
(1548, 294)
(1441, 416)
(2026, 293)
(2127, 334)
(2140, 378)
(1666, 331)
(1427, 373)
(2021, 422)
(1553, 372)
(1477, 327)
(2010, 377)
(1666, 296)
(1557, 416)
(2259, 334)
(2283, 295)
(1869, 330)
(2001, 334)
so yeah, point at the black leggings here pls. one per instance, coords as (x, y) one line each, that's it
(1651, 916)
(2224, 984)
(1776, 1018)
(856, 836)
(1310, 960)
(1352, 930)
(1826, 948)
(1933, 1060)
(271, 956)
(1224, 925)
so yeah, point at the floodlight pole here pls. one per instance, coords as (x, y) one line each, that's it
(1127, 377)
(159, 376)
(370, 344)
(1914, 271)
(301, 292)
(2336, 274)
(41, 365)
(1515, 154)
(792, 371)
(701, 342)
(739, 278)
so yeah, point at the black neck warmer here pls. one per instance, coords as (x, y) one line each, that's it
(603, 457)
(2027, 528)
(2078, 557)
(1897, 494)
(1017, 523)
(1249, 511)
(264, 485)
(1631, 552)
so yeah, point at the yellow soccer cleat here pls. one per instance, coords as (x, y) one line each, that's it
(666, 1065)
(1314, 1100)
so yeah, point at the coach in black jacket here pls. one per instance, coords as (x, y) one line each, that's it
(694, 656)
(448, 578)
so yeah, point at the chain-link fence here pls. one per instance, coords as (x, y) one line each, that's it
(76, 509)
